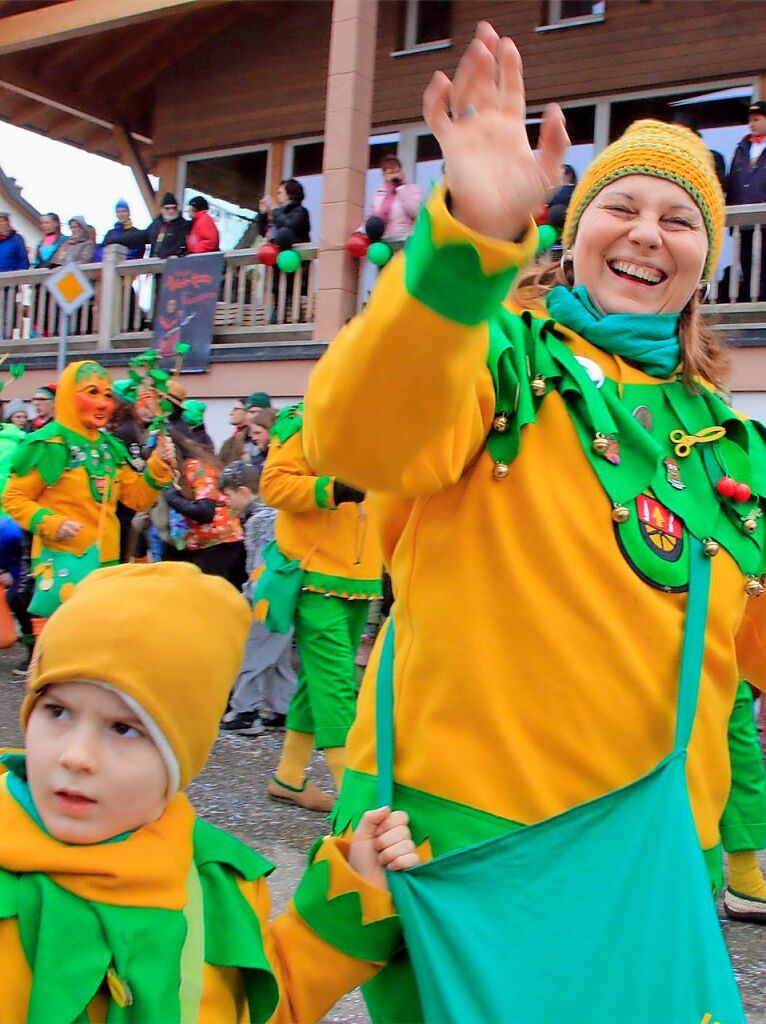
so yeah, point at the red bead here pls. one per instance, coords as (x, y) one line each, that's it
(742, 493)
(726, 486)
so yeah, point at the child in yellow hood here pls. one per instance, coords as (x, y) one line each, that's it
(112, 892)
(66, 481)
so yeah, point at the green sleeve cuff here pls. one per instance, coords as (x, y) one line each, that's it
(155, 481)
(323, 492)
(459, 274)
(343, 920)
(38, 517)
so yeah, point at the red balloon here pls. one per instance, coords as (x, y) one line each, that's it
(742, 493)
(357, 246)
(268, 253)
(726, 486)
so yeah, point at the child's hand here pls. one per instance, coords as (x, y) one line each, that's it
(382, 840)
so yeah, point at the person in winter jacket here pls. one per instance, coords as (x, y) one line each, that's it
(396, 202)
(13, 256)
(122, 232)
(13, 250)
(79, 247)
(167, 234)
(101, 851)
(290, 213)
(203, 234)
(747, 184)
(49, 250)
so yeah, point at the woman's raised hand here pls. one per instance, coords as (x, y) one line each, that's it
(494, 178)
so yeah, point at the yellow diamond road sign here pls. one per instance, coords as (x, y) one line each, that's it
(69, 287)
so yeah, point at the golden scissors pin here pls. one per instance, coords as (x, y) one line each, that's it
(685, 442)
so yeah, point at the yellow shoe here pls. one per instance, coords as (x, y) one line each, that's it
(310, 797)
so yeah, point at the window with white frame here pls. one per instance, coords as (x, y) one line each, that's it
(563, 13)
(424, 24)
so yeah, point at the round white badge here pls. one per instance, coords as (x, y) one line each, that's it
(593, 370)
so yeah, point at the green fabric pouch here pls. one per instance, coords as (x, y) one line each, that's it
(54, 569)
(279, 586)
(601, 914)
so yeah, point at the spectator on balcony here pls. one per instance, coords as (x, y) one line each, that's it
(203, 235)
(13, 256)
(290, 213)
(49, 250)
(13, 249)
(747, 184)
(79, 247)
(123, 231)
(287, 224)
(168, 233)
(396, 202)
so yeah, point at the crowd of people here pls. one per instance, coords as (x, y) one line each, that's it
(556, 725)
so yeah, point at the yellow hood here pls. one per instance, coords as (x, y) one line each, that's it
(67, 413)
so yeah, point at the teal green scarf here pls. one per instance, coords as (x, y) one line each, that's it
(648, 340)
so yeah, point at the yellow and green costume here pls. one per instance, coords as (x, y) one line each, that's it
(67, 470)
(536, 517)
(171, 923)
(340, 554)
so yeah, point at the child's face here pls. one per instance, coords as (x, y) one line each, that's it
(93, 770)
(238, 497)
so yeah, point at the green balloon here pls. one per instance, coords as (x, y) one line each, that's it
(547, 236)
(288, 261)
(379, 253)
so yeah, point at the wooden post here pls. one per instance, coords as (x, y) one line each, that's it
(277, 167)
(109, 297)
(167, 172)
(131, 156)
(348, 116)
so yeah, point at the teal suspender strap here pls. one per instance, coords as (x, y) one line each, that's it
(692, 654)
(693, 649)
(384, 718)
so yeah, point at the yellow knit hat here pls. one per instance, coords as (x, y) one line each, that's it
(661, 150)
(165, 636)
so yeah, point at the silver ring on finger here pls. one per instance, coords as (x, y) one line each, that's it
(469, 110)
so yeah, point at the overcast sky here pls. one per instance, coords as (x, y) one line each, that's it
(68, 181)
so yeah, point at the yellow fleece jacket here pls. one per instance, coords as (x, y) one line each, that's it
(150, 869)
(339, 544)
(42, 508)
(534, 669)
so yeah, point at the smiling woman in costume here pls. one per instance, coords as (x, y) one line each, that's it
(573, 523)
(67, 479)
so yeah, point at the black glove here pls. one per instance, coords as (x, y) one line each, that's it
(344, 492)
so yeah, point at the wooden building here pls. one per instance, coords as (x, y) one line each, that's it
(228, 98)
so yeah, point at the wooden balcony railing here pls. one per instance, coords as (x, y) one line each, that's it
(251, 310)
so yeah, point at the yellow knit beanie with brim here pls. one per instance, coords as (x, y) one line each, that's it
(164, 637)
(660, 150)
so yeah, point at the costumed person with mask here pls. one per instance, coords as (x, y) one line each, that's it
(14, 551)
(116, 902)
(551, 696)
(66, 481)
(323, 529)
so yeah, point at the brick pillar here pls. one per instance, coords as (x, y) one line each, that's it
(348, 116)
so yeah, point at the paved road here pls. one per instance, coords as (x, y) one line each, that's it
(231, 793)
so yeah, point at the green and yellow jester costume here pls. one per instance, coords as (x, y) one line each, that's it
(70, 471)
(537, 499)
(339, 554)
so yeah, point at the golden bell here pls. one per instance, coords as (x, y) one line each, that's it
(600, 444)
(500, 472)
(753, 587)
(620, 514)
(538, 386)
(501, 423)
(750, 524)
(711, 547)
